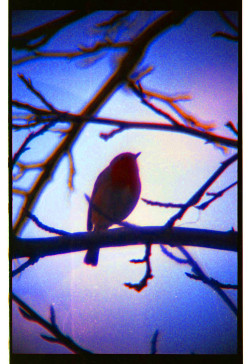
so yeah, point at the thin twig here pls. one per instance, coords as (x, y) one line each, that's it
(232, 127)
(71, 171)
(216, 195)
(172, 256)
(46, 227)
(29, 85)
(25, 265)
(114, 19)
(139, 92)
(163, 204)
(154, 342)
(138, 287)
(211, 283)
(228, 20)
(226, 36)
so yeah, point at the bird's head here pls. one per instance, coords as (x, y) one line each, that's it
(124, 168)
(124, 158)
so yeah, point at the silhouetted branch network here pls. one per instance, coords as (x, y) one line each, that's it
(125, 67)
(125, 74)
(59, 338)
(45, 116)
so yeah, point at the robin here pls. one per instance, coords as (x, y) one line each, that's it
(115, 194)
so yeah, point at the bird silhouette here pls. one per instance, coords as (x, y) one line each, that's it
(115, 194)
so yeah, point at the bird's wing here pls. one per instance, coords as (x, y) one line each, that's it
(99, 181)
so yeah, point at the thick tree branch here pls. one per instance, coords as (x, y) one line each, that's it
(41, 247)
(45, 32)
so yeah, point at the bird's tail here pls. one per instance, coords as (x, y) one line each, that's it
(91, 257)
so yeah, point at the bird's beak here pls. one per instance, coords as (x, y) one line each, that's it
(137, 155)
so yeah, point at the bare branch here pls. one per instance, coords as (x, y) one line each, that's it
(45, 227)
(107, 136)
(114, 19)
(25, 265)
(71, 171)
(216, 195)
(214, 282)
(198, 195)
(188, 118)
(231, 24)
(29, 314)
(172, 256)
(29, 85)
(154, 342)
(226, 36)
(81, 52)
(228, 20)
(118, 237)
(138, 287)
(126, 125)
(139, 92)
(232, 127)
(20, 192)
(162, 204)
(45, 31)
(211, 283)
(27, 140)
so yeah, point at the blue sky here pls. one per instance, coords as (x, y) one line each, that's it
(92, 305)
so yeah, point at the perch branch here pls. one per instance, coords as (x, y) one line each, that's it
(118, 237)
